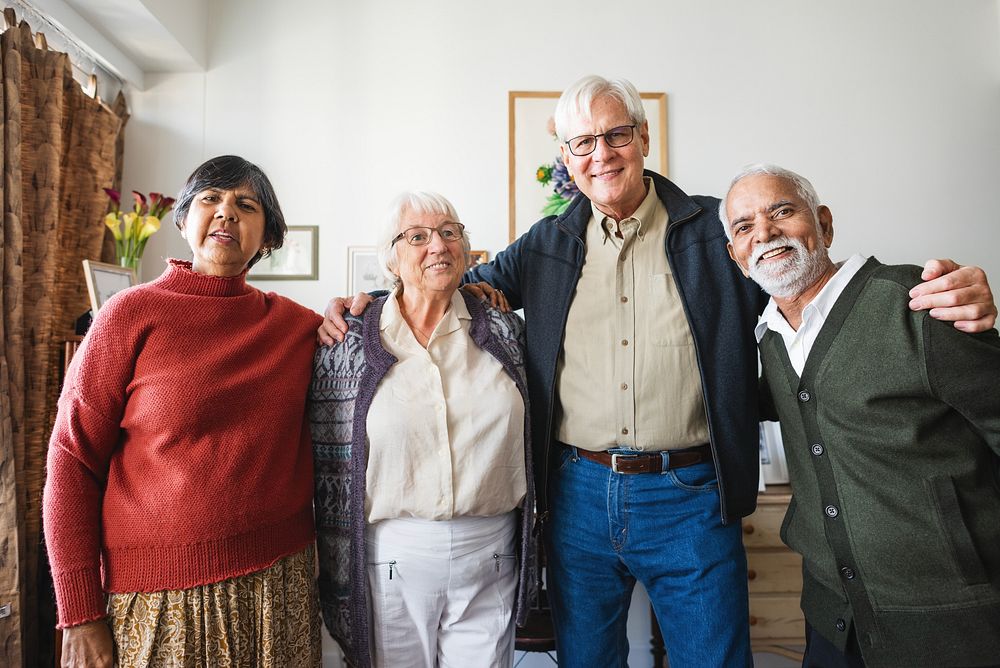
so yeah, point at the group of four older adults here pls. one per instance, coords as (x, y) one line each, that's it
(182, 489)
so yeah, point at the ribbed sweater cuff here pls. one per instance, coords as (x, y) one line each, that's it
(80, 597)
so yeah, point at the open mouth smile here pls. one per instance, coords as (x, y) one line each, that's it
(774, 253)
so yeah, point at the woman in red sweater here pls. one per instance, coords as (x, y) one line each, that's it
(177, 507)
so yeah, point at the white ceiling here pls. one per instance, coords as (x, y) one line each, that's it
(135, 37)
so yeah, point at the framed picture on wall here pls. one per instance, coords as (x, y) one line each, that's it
(478, 257)
(296, 260)
(534, 148)
(106, 280)
(363, 272)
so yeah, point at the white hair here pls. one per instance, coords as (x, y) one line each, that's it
(803, 188)
(416, 201)
(577, 100)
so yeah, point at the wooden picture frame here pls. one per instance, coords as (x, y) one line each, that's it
(531, 145)
(363, 272)
(296, 260)
(106, 280)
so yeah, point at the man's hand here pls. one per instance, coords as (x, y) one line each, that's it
(87, 646)
(334, 327)
(956, 293)
(485, 292)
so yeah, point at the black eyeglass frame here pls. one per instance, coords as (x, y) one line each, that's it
(402, 235)
(603, 135)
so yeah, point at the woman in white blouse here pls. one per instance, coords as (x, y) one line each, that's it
(423, 465)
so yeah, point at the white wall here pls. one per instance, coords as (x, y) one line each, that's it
(891, 108)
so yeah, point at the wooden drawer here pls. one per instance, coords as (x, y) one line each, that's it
(776, 616)
(774, 572)
(762, 529)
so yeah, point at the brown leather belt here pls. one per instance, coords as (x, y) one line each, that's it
(655, 462)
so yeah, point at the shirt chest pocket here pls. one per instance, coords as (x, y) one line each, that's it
(663, 314)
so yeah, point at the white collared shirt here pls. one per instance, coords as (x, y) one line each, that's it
(446, 425)
(799, 343)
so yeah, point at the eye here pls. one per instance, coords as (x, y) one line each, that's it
(211, 197)
(416, 237)
(740, 229)
(616, 135)
(784, 212)
(248, 205)
(583, 142)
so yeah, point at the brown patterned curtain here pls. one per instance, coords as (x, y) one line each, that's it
(59, 148)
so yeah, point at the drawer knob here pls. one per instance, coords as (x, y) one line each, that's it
(748, 529)
(751, 574)
(753, 621)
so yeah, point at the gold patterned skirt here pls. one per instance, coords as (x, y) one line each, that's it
(266, 619)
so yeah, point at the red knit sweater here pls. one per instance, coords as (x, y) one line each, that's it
(181, 454)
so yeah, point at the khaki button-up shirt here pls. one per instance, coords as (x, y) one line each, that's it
(628, 375)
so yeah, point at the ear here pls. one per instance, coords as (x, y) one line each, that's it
(644, 136)
(564, 152)
(825, 217)
(732, 255)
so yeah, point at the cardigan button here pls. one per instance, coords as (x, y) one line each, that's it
(817, 449)
(831, 511)
(841, 625)
(847, 572)
(804, 396)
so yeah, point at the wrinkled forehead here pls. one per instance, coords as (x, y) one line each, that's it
(759, 190)
(602, 110)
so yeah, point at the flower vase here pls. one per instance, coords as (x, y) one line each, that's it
(133, 263)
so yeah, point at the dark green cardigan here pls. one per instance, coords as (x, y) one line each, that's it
(892, 436)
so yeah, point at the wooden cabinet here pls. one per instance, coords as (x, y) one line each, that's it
(774, 577)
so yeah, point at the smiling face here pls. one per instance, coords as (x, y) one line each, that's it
(611, 178)
(777, 240)
(435, 267)
(225, 229)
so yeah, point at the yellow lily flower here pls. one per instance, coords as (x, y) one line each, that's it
(131, 224)
(150, 224)
(114, 224)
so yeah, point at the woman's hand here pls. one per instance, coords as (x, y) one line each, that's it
(956, 293)
(88, 646)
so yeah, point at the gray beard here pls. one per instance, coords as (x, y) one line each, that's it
(791, 276)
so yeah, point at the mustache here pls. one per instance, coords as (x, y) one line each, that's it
(766, 247)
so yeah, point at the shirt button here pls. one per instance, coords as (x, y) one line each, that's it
(804, 396)
(817, 449)
(624, 430)
(624, 342)
(624, 299)
(841, 625)
(624, 386)
(847, 572)
(831, 511)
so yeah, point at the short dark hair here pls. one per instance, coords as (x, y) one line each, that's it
(227, 172)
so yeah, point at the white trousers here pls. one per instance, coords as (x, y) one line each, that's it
(442, 592)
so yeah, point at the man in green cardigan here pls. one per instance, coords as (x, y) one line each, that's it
(891, 426)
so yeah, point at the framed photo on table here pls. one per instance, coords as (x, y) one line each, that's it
(296, 260)
(106, 280)
(533, 145)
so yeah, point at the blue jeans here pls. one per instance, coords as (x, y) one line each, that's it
(607, 530)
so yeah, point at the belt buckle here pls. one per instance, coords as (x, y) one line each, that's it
(614, 461)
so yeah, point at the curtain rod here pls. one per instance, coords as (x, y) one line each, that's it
(87, 67)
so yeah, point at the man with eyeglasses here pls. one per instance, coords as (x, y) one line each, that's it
(642, 377)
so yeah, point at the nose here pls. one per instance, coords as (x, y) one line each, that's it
(601, 150)
(226, 210)
(765, 229)
(436, 243)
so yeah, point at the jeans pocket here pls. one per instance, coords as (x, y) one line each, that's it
(696, 478)
(565, 456)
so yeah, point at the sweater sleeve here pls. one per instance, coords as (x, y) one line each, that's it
(85, 435)
(962, 370)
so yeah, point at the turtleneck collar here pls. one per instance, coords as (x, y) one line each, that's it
(180, 277)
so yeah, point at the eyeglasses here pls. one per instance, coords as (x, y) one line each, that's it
(615, 138)
(421, 236)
